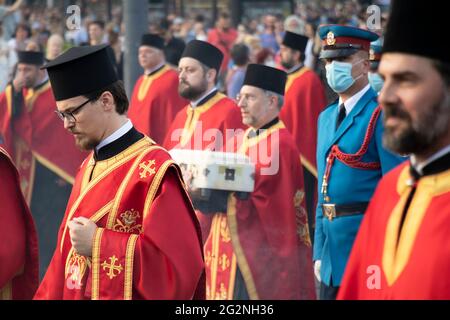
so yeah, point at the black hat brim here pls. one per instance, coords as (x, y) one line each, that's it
(337, 53)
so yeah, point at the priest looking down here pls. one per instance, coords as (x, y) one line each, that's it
(259, 247)
(118, 239)
(155, 101)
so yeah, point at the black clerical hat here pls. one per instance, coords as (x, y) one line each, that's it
(81, 70)
(204, 52)
(30, 57)
(266, 78)
(417, 27)
(295, 41)
(152, 40)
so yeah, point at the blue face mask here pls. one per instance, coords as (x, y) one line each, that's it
(376, 82)
(339, 75)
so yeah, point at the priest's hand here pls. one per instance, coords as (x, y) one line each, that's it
(81, 231)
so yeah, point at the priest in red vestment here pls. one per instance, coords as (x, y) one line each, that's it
(155, 100)
(304, 100)
(19, 271)
(211, 118)
(260, 248)
(402, 249)
(43, 152)
(118, 239)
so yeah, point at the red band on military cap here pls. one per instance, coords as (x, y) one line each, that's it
(365, 44)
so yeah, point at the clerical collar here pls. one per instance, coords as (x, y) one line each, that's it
(256, 132)
(121, 139)
(294, 68)
(353, 100)
(204, 98)
(155, 69)
(438, 162)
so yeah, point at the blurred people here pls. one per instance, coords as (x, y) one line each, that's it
(19, 274)
(8, 19)
(96, 31)
(351, 158)
(173, 46)
(42, 150)
(402, 249)
(55, 46)
(240, 56)
(304, 100)
(155, 100)
(223, 36)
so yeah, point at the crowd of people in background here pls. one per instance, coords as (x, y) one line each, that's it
(254, 40)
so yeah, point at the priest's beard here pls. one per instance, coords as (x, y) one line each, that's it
(419, 135)
(288, 64)
(191, 92)
(85, 143)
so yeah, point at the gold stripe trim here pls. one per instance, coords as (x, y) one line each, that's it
(8, 92)
(124, 184)
(214, 254)
(193, 114)
(232, 280)
(129, 259)
(396, 254)
(53, 167)
(294, 76)
(239, 251)
(93, 183)
(32, 96)
(155, 186)
(250, 142)
(96, 263)
(148, 81)
(308, 165)
(6, 292)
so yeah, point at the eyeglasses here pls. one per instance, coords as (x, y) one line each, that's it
(70, 116)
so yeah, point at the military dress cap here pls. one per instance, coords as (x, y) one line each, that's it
(204, 52)
(342, 41)
(30, 57)
(266, 78)
(152, 40)
(375, 53)
(81, 70)
(295, 41)
(417, 27)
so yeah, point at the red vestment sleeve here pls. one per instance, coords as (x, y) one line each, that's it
(159, 262)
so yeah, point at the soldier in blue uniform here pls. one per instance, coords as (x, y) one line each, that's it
(350, 155)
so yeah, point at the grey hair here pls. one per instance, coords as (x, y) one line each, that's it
(280, 97)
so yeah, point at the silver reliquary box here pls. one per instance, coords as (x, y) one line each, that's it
(216, 170)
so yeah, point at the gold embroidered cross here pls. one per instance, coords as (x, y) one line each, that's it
(147, 169)
(224, 262)
(112, 267)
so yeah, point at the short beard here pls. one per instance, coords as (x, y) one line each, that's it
(86, 144)
(192, 93)
(288, 64)
(419, 136)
